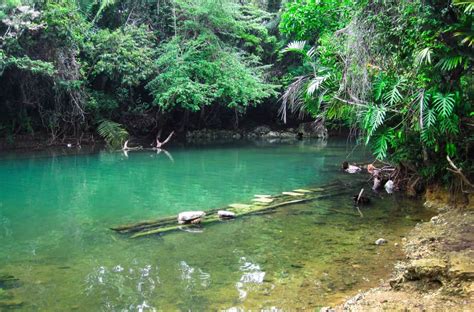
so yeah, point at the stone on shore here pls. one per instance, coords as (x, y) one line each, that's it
(380, 241)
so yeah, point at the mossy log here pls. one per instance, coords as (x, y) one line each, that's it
(169, 224)
(215, 218)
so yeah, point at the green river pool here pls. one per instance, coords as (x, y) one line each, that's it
(56, 209)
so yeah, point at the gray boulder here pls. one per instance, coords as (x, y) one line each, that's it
(261, 130)
(313, 130)
(224, 214)
(189, 216)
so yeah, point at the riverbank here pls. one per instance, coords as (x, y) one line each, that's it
(272, 133)
(438, 271)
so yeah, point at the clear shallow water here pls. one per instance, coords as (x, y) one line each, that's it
(55, 213)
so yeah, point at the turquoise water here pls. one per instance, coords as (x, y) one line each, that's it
(55, 214)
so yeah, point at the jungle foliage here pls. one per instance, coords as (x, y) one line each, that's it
(399, 73)
(68, 65)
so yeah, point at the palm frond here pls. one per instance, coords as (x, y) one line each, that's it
(315, 84)
(311, 52)
(293, 97)
(468, 4)
(294, 46)
(467, 37)
(103, 4)
(113, 133)
(450, 62)
(423, 56)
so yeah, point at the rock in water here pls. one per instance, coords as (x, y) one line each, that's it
(188, 216)
(226, 214)
(380, 241)
(389, 186)
(353, 169)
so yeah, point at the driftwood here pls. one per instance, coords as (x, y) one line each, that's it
(170, 224)
(459, 172)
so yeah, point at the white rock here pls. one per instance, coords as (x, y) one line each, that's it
(389, 186)
(353, 169)
(380, 241)
(188, 216)
(225, 214)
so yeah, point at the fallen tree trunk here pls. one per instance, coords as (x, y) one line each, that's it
(169, 224)
(214, 218)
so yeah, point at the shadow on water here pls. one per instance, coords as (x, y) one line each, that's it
(55, 215)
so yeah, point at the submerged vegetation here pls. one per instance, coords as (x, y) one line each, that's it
(399, 74)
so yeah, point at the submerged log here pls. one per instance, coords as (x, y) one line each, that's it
(169, 224)
(214, 218)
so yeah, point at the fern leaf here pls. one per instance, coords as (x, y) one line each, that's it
(393, 96)
(450, 125)
(429, 117)
(379, 86)
(444, 104)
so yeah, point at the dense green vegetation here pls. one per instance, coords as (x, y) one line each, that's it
(399, 74)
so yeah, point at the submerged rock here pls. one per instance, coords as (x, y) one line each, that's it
(224, 214)
(380, 241)
(188, 216)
